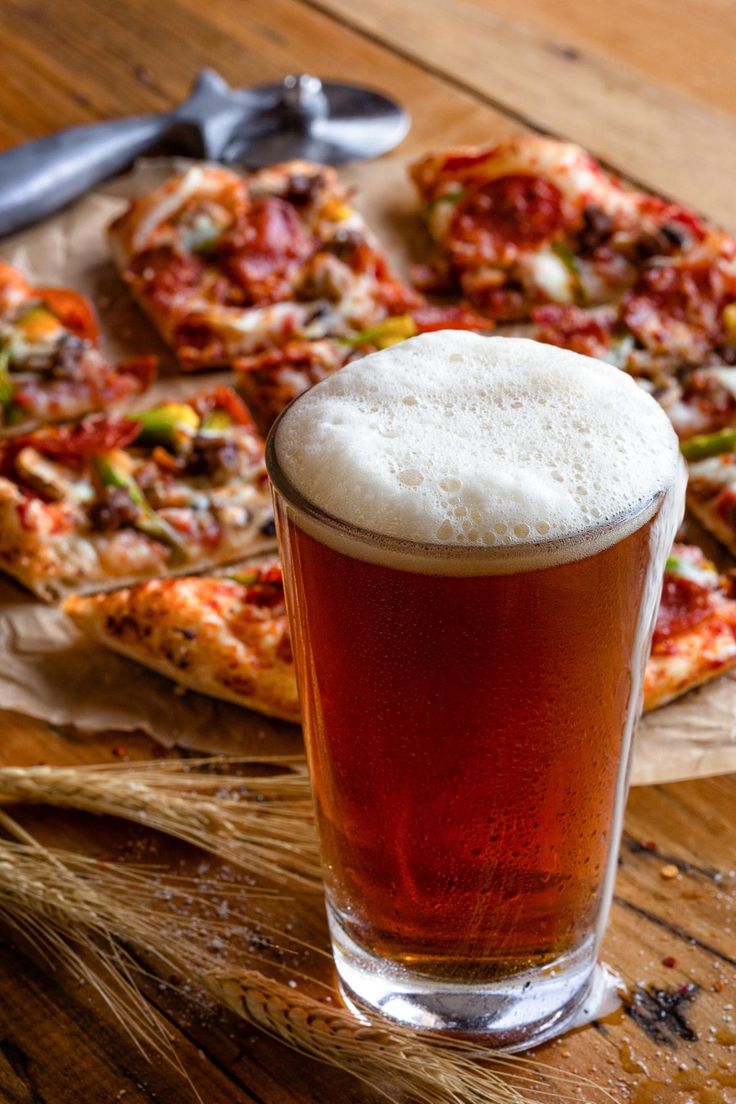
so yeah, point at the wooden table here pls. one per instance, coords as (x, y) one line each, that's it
(649, 86)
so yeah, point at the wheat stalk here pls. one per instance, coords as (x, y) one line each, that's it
(261, 822)
(94, 916)
(399, 1062)
(61, 904)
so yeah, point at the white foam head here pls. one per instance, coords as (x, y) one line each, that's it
(453, 439)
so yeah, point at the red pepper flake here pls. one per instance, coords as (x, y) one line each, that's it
(684, 990)
(120, 752)
(718, 986)
(649, 845)
(670, 961)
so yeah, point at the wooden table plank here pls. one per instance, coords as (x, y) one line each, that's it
(58, 74)
(682, 46)
(664, 139)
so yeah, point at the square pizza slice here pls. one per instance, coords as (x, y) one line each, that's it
(229, 267)
(51, 368)
(530, 220)
(225, 636)
(176, 488)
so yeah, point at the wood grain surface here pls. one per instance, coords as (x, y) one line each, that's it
(595, 89)
(649, 85)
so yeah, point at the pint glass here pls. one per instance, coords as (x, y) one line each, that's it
(470, 684)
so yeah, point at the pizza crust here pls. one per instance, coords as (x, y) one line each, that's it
(201, 633)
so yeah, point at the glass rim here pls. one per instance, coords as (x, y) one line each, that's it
(415, 549)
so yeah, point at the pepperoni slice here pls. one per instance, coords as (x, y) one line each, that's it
(679, 305)
(516, 210)
(260, 256)
(685, 603)
(572, 328)
(73, 310)
(91, 436)
(73, 443)
(274, 229)
(165, 273)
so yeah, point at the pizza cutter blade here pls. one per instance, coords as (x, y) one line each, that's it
(299, 117)
(327, 121)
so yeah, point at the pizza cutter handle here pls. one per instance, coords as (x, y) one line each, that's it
(39, 177)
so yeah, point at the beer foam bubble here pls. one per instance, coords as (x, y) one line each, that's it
(454, 439)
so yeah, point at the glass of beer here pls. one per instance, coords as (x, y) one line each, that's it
(473, 532)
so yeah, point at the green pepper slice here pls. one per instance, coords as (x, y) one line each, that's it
(706, 445)
(7, 387)
(388, 332)
(148, 522)
(171, 425)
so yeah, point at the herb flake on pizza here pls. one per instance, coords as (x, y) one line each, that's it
(179, 487)
(227, 637)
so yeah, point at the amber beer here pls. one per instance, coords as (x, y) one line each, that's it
(468, 703)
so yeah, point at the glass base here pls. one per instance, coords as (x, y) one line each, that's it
(513, 1014)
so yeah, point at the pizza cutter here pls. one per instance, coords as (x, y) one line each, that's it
(300, 117)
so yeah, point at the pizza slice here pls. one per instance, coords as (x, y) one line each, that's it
(675, 325)
(50, 366)
(695, 634)
(227, 637)
(532, 220)
(229, 267)
(179, 487)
